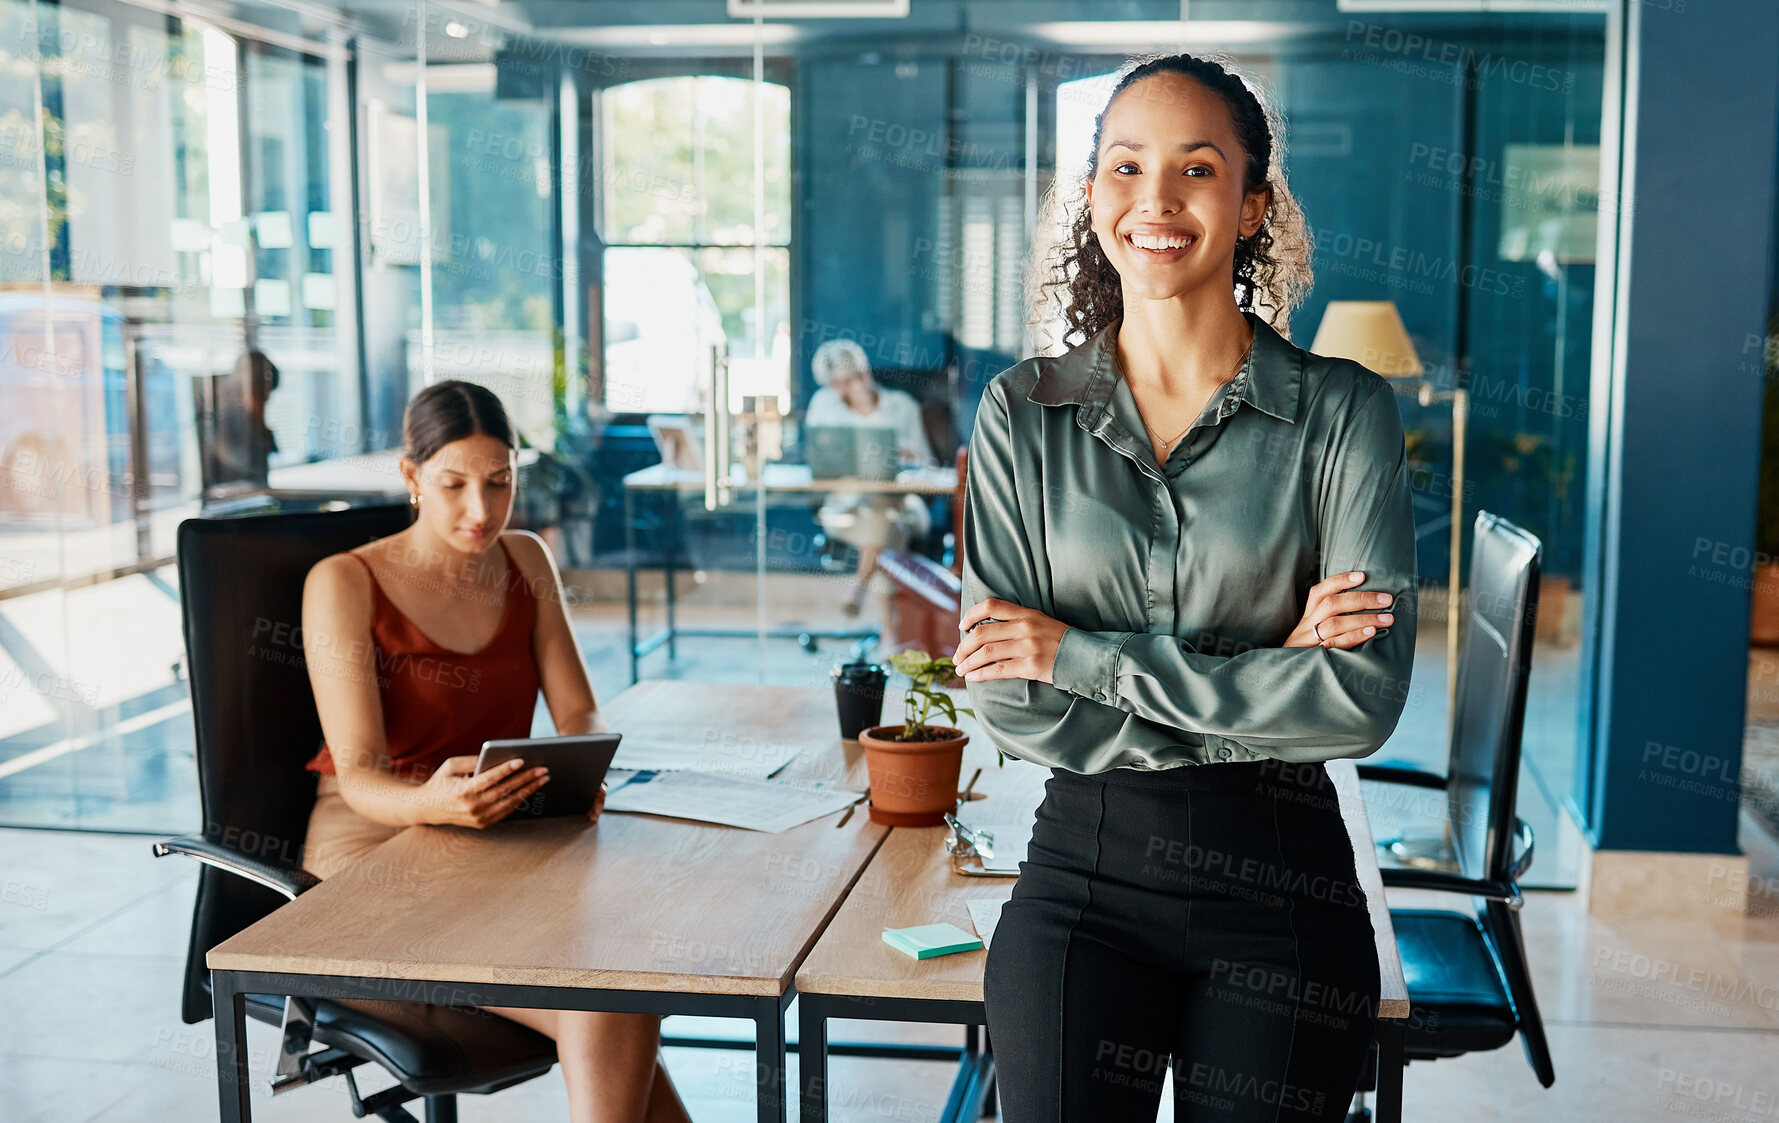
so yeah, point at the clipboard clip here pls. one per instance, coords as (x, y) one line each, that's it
(963, 842)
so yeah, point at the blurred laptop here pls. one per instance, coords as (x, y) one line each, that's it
(679, 441)
(850, 452)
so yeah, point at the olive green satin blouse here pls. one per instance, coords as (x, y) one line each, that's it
(1180, 581)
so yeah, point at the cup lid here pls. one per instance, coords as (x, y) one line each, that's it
(858, 670)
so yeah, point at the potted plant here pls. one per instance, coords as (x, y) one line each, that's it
(915, 766)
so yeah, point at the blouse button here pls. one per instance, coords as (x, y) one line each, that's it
(1099, 696)
(1223, 754)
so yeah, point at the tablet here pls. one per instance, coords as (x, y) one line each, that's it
(577, 767)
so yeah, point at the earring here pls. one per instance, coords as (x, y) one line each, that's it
(414, 499)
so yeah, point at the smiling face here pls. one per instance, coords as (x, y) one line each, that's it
(1166, 194)
(465, 490)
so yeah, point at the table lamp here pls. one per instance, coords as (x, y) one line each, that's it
(1370, 332)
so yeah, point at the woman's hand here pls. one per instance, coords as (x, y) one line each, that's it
(1002, 640)
(457, 796)
(1340, 617)
(598, 805)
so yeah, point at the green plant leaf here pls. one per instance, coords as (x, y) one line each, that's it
(911, 663)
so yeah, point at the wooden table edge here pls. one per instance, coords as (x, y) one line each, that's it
(1393, 1002)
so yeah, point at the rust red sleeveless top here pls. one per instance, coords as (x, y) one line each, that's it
(440, 703)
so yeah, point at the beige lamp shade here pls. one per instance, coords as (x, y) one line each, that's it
(1370, 332)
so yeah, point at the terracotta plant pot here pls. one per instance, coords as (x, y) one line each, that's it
(1764, 622)
(913, 783)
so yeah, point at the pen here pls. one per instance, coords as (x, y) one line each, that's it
(968, 787)
(850, 806)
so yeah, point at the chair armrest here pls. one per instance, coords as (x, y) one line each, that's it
(280, 879)
(1525, 843)
(923, 577)
(1394, 774)
(1440, 882)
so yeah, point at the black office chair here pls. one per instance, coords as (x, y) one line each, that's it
(1468, 985)
(254, 715)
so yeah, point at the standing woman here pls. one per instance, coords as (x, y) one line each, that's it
(423, 645)
(1189, 561)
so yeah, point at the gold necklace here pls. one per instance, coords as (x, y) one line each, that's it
(1238, 366)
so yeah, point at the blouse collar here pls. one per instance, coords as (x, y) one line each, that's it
(1085, 376)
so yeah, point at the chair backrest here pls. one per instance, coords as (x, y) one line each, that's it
(241, 586)
(957, 510)
(1500, 609)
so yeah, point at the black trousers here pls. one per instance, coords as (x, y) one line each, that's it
(1206, 918)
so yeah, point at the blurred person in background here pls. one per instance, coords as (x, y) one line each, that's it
(848, 395)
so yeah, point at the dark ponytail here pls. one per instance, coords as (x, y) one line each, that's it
(450, 411)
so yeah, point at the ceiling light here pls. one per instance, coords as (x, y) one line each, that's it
(818, 9)
(676, 35)
(1149, 33)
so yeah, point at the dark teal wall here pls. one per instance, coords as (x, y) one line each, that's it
(1679, 450)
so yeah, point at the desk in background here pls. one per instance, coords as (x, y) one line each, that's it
(776, 479)
(369, 476)
(640, 914)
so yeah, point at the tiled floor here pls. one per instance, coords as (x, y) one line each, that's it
(1648, 1019)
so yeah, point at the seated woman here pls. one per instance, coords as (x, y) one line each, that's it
(848, 395)
(425, 644)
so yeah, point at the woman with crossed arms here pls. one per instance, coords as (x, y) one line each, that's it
(1190, 571)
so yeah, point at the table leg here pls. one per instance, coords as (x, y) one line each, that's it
(1389, 1070)
(630, 574)
(231, 1048)
(769, 1059)
(667, 568)
(812, 1058)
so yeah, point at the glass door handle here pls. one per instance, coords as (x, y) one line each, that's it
(717, 433)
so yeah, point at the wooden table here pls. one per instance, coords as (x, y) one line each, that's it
(852, 974)
(777, 479)
(635, 914)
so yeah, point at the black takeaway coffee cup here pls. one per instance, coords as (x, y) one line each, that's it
(858, 695)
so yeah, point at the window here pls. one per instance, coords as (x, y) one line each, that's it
(697, 261)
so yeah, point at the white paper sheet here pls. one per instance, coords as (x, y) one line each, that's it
(985, 915)
(1011, 838)
(735, 801)
(729, 756)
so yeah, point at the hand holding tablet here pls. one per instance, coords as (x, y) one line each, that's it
(574, 765)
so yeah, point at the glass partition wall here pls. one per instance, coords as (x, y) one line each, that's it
(178, 291)
(640, 233)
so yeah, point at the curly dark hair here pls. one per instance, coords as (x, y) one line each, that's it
(1272, 265)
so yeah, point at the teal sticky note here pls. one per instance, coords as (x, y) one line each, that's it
(929, 940)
